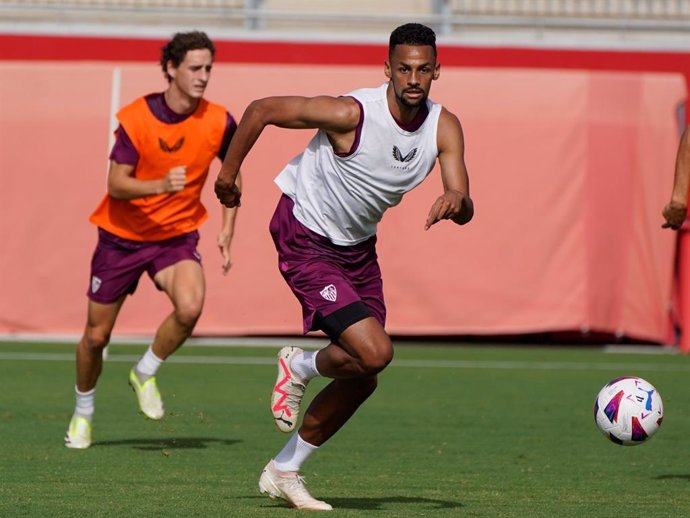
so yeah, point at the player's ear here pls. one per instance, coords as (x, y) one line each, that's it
(387, 69)
(437, 71)
(170, 69)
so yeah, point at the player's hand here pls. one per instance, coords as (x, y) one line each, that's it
(175, 180)
(446, 206)
(674, 213)
(227, 193)
(224, 239)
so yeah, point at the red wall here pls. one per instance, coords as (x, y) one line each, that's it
(570, 155)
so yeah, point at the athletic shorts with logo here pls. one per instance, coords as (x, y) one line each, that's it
(337, 286)
(117, 263)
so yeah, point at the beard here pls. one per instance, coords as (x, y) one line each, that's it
(406, 102)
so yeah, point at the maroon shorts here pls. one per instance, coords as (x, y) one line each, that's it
(118, 263)
(336, 285)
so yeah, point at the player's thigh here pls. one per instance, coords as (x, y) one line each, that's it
(184, 284)
(368, 341)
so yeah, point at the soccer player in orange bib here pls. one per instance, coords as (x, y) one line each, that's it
(148, 221)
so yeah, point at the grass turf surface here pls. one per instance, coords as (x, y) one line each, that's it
(451, 431)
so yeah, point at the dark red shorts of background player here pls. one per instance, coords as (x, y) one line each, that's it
(117, 263)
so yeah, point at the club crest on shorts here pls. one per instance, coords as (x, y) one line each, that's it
(95, 284)
(329, 293)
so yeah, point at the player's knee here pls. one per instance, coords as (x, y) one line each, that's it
(95, 339)
(188, 312)
(375, 365)
(377, 358)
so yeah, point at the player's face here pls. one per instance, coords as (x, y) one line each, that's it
(411, 70)
(192, 76)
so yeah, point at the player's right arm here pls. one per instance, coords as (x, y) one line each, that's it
(338, 116)
(124, 186)
(676, 210)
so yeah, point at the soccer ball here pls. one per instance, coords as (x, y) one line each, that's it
(628, 410)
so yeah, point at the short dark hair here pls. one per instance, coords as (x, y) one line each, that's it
(182, 42)
(412, 34)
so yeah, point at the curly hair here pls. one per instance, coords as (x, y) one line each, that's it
(182, 42)
(412, 34)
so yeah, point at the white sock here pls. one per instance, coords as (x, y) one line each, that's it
(148, 364)
(304, 365)
(293, 454)
(85, 406)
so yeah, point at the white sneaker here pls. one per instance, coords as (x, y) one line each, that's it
(289, 486)
(287, 392)
(78, 434)
(150, 401)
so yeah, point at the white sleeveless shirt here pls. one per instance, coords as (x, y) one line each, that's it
(344, 197)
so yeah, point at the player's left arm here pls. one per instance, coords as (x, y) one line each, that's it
(227, 230)
(455, 203)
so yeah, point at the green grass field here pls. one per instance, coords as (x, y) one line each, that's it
(452, 431)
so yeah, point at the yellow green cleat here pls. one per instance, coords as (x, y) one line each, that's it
(150, 402)
(78, 434)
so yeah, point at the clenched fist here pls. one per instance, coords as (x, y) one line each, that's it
(674, 213)
(175, 180)
(227, 193)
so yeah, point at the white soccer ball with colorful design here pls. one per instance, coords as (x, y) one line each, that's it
(628, 410)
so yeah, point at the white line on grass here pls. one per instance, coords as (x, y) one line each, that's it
(305, 342)
(424, 364)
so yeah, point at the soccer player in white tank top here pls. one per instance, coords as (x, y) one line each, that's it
(334, 194)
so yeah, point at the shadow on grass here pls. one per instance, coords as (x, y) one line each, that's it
(377, 504)
(669, 477)
(172, 443)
